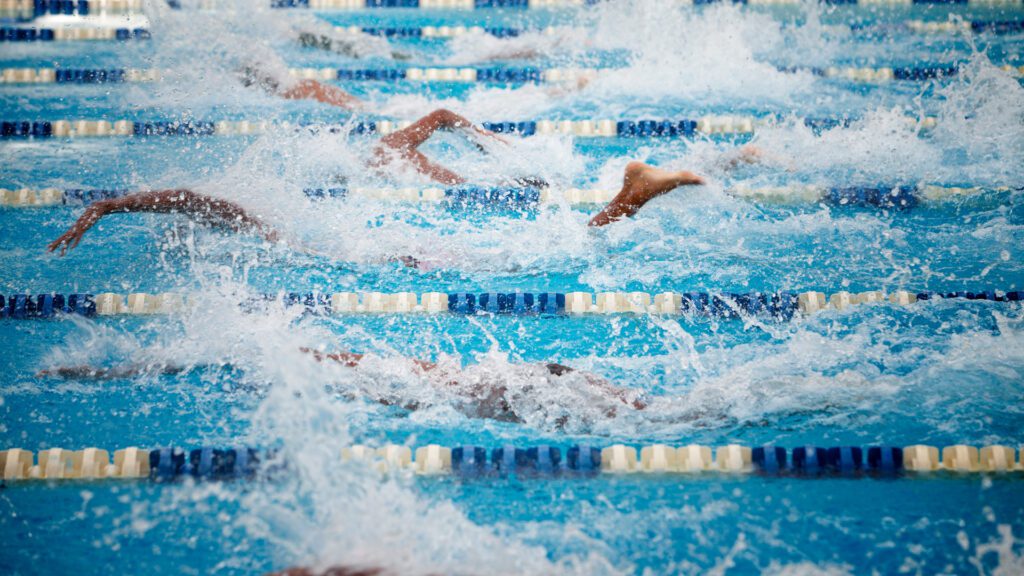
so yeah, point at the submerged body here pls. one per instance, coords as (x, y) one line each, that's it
(476, 391)
(277, 81)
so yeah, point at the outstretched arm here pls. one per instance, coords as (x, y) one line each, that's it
(205, 209)
(623, 395)
(313, 90)
(406, 142)
(351, 359)
(641, 184)
(118, 372)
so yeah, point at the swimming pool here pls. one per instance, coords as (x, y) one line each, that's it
(904, 185)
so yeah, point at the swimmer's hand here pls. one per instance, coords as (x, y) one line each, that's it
(73, 236)
(493, 136)
(481, 138)
(82, 372)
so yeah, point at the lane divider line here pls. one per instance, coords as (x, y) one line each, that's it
(913, 26)
(91, 33)
(31, 9)
(29, 33)
(709, 125)
(170, 464)
(550, 4)
(901, 197)
(11, 76)
(779, 306)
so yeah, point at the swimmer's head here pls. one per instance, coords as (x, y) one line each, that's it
(528, 182)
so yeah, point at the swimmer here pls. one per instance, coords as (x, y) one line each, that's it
(353, 42)
(641, 184)
(353, 45)
(278, 82)
(475, 393)
(478, 45)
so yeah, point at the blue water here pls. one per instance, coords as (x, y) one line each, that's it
(939, 372)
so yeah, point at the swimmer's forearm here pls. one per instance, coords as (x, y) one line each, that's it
(352, 359)
(154, 201)
(118, 372)
(81, 372)
(209, 210)
(204, 208)
(171, 201)
(621, 394)
(313, 90)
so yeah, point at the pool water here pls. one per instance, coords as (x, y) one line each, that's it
(940, 372)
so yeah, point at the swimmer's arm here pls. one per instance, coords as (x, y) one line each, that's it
(566, 88)
(352, 359)
(313, 90)
(513, 54)
(609, 389)
(94, 373)
(749, 155)
(203, 208)
(621, 394)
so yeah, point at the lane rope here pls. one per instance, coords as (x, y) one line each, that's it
(548, 4)
(708, 125)
(47, 75)
(778, 306)
(208, 463)
(900, 197)
(467, 75)
(912, 26)
(42, 34)
(32, 8)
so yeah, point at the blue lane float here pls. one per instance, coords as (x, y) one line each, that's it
(534, 461)
(546, 303)
(79, 7)
(839, 460)
(22, 306)
(903, 197)
(90, 76)
(808, 460)
(173, 128)
(836, 460)
(169, 464)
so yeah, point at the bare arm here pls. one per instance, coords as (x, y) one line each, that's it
(313, 90)
(406, 142)
(93, 373)
(744, 155)
(352, 359)
(641, 184)
(609, 389)
(205, 209)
